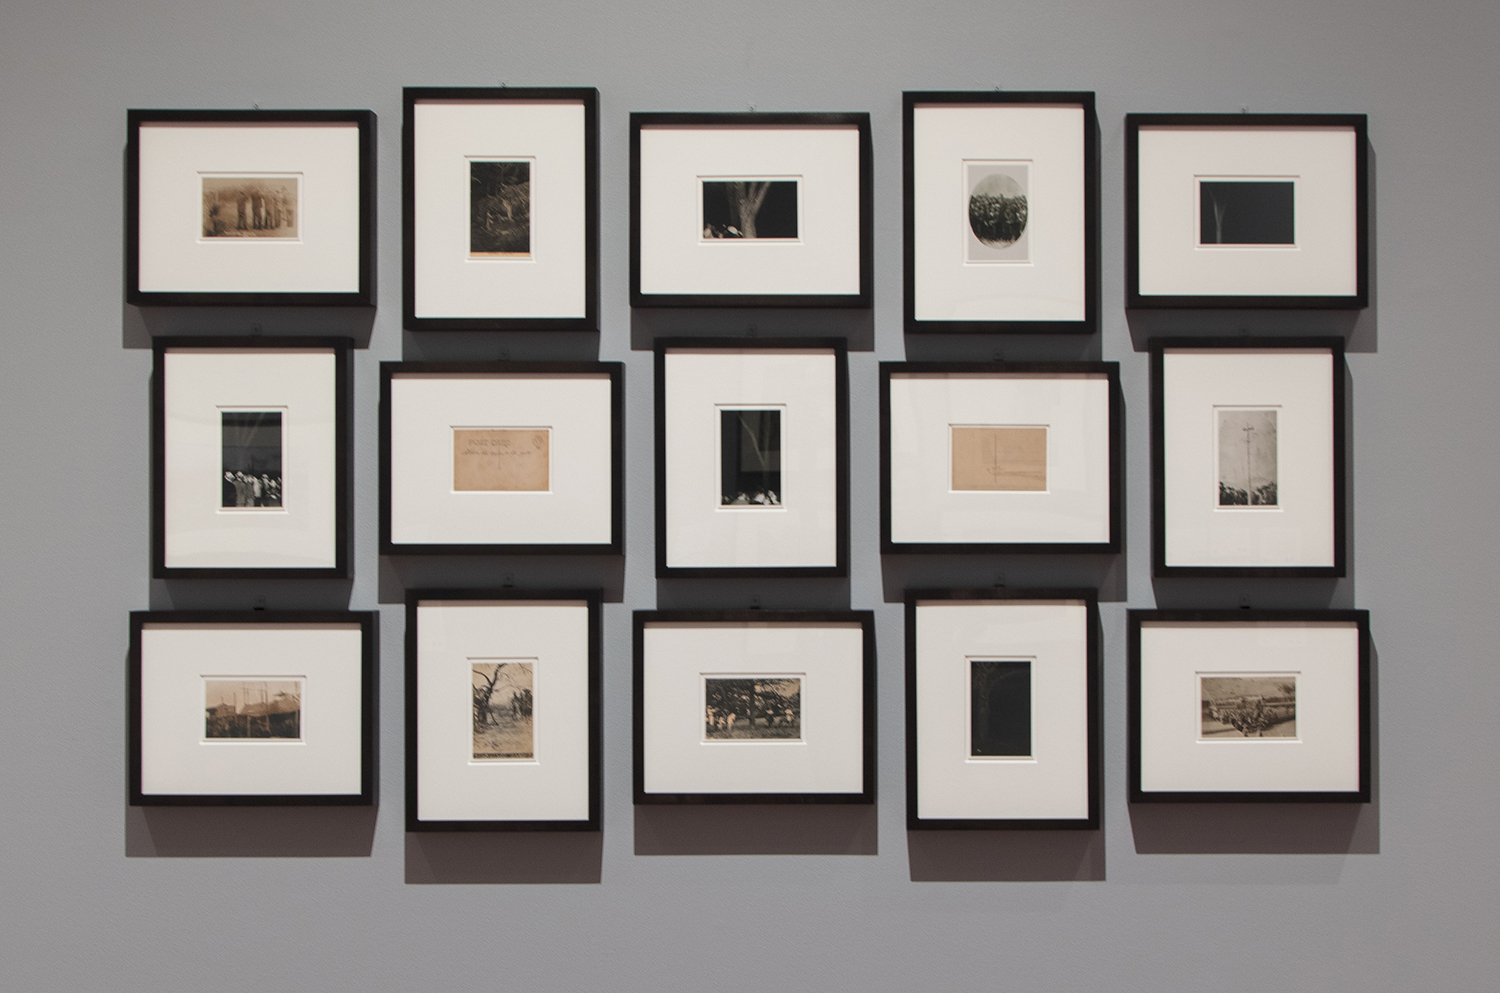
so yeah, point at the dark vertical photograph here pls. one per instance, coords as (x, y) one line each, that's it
(1248, 706)
(1246, 212)
(253, 708)
(736, 708)
(749, 208)
(999, 211)
(1247, 458)
(503, 704)
(250, 207)
(500, 209)
(999, 708)
(750, 458)
(251, 458)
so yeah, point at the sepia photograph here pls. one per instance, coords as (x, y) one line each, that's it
(250, 206)
(1246, 212)
(999, 708)
(502, 710)
(253, 708)
(501, 459)
(749, 208)
(750, 458)
(999, 212)
(1247, 457)
(1249, 706)
(500, 209)
(251, 458)
(999, 458)
(747, 708)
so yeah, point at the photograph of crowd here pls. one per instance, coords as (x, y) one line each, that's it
(999, 212)
(739, 707)
(251, 458)
(250, 206)
(1249, 706)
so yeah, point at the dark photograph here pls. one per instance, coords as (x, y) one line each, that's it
(1247, 458)
(502, 710)
(250, 206)
(1245, 212)
(749, 708)
(1249, 706)
(999, 212)
(745, 208)
(500, 209)
(1000, 708)
(253, 708)
(750, 458)
(252, 458)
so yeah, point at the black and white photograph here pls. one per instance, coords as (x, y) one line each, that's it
(1247, 212)
(749, 208)
(253, 708)
(999, 708)
(500, 208)
(250, 206)
(750, 458)
(1249, 706)
(1247, 457)
(503, 709)
(999, 209)
(251, 459)
(743, 708)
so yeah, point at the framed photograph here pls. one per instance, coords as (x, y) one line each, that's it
(1001, 201)
(752, 457)
(250, 451)
(754, 706)
(253, 707)
(500, 198)
(750, 210)
(522, 749)
(1246, 211)
(1002, 709)
(516, 458)
(1247, 457)
(1249, 705)
(250, 207)
(1000, 457)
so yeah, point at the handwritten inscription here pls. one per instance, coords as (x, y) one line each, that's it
(491, 459)
(1000, 458)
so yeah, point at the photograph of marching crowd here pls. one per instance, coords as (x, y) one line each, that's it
(502, 710)
(250, 206)
(749, 708)
(252, 458)
(253, 708)
(1249, 706)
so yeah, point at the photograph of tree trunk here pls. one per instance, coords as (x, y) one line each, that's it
(741, 708)
(502, 710)
(749, 208)
(1246, 212)
(500, 209)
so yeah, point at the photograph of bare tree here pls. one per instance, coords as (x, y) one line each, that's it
(503, 710)
(500, 208)
(1246, 212)
(253, 708)
(999, 707)
(999, 212)
(749, 208)
(752, 707)
(250, 206)
(1249, 706)
(750, 458)
(1247, 457)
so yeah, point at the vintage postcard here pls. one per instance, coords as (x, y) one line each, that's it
(999, 458)
(1248, 706)
(251, 206)
(752, 707)
(513, 459)
(503, 708)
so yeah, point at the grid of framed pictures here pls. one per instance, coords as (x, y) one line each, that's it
(243, 708)
(250, 207)
(521, 458)
(1246, 211)
(503, 714)
(750, 210)
(1001, 215)
(1002, 709)
(754, 706)
(1249, 705)
(501, 206)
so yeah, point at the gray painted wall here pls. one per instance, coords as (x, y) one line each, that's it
(1400, 894)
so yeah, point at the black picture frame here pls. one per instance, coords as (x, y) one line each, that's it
(1111, 370)
(1135, 299)
(595, 600)
(1135, 618)
(642, 618)
(364, 296)
(616, 373)
(1338, 416)
(912, 99)
(861, 120)
(589, 98)
(343, 455)
(369, 624)
(1095, 710)
(840, 568)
